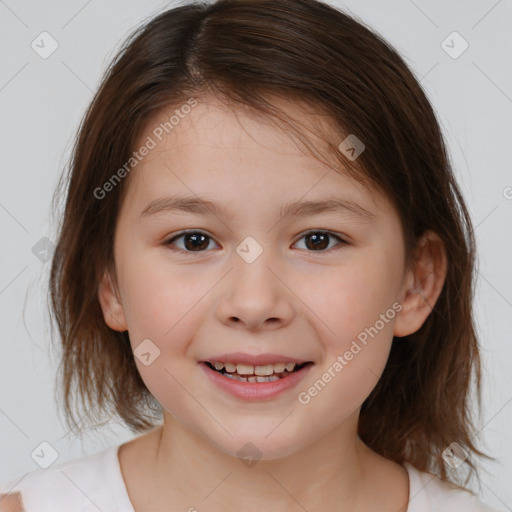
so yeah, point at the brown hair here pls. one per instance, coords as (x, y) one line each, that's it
(247, 51)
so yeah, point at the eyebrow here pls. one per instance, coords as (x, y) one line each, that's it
(201, 206)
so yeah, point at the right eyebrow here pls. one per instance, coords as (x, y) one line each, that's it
(185, 204)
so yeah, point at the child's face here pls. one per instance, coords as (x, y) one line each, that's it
(294, 299)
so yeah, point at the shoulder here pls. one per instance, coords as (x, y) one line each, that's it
(77, 485)
(430, 493)
(11, 502)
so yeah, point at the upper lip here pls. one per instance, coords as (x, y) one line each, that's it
(254, 360)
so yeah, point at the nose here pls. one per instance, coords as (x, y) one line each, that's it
(255, 297)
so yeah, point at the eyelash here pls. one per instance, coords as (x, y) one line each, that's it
(310, 232)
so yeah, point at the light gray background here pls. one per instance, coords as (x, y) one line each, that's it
(42, 101)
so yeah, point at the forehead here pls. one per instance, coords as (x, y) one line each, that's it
(214, 124)
(213, 147)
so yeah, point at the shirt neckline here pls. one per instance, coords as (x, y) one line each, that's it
(114, 476)
(115, 480)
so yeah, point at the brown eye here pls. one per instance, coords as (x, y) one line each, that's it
(193, 241)
(320, 240)
(196, 241)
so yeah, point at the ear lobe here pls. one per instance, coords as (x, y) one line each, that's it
(423, 284)
(113, 311)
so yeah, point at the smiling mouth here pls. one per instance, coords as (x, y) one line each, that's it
(248, 373)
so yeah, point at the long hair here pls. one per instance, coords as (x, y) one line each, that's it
(248, 52)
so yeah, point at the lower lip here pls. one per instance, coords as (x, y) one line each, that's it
(255, 390)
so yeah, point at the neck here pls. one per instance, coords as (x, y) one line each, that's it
(189, 471)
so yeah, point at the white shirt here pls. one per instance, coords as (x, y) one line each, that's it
(95, 483)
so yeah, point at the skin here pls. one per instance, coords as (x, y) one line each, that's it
(11, 502)
(294, 300)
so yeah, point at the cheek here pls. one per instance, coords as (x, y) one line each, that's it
(165, 308)
(161, 297)
(355, 306)
(351, 297)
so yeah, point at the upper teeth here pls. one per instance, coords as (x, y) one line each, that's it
(247, 369)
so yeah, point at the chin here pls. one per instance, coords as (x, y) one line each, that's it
(256, 445)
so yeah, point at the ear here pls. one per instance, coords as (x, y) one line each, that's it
(111, 305)
(422, 284)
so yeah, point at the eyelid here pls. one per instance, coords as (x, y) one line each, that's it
(186, 232)
(334, 234)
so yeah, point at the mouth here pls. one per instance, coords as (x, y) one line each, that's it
(250, 373)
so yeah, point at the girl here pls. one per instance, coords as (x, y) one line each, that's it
(265, 270)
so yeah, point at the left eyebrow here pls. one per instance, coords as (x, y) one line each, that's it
(198, 205)
(306, 208)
